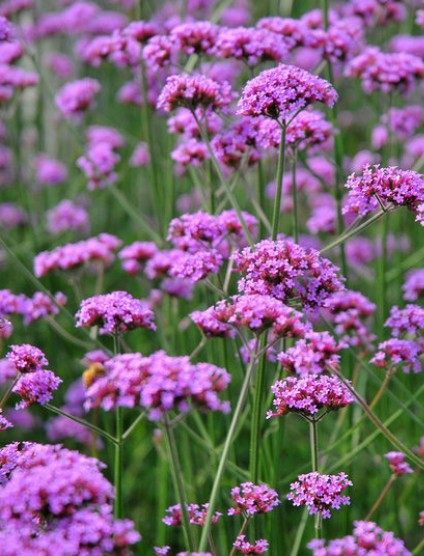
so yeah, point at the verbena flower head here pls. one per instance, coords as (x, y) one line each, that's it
(99, 165)
(135, 255)
(196, 515)
(193, 91)
(114, 313)
(287, 272)
(255, 312)
(251, 499)
(407, 321)
(67, 215)
(391, 185)
(281, 92)
(36, 387)
(56, 501)
(159, 383)
(314, 354)
(386, 72)
(245, 547)
(76, 97)
(397, 351)
(413, 287)
(398, 464)
(27, 358)
(308, 395)
(368, 539)
(320, 493)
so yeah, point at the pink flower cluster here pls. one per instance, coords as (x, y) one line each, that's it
(314, 354)
(414, 285)
(320, 493)
(245, 547)
(66, 216)
(398, 464)
(115, 313)
(308, 395)
(251, 499)
(287, 272)
(368, 539)
(196, 515)
(72, 255)
(159, 383)
(282, 92)
(77, 97)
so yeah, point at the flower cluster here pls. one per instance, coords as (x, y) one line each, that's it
(255, 312)
(245, 547)
(27, 358)
(314, 354)
(282, 92)
(308, 395)
(414, 285)
(196, 514)
(76, 97)
(72, 255)
(67, 215)
(159, 383)
(368, 539)
(320, 493)
(55, 500)
(398, 464)
(251, 499)
(40, 305)
(114, 313)
(288, 272)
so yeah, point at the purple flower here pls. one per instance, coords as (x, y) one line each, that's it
(320, 493)
(140, 155)
(67, 215)
(76, 97)
(197, 37)
(253, 499)
(397, 464)
(192, 91)
(135, 255)
(414, 284)
(287, 272)
(99, 165)
(41, 306)
(368, 539)
(159, 383)
(259, 547)
(281, 92)
(396, 351)
(196, 514)
(27, 358)
(4, 423)
(314, 354)
(114, 313)
(308, 395)
(49, 171)
(36, 387)
(406, 321)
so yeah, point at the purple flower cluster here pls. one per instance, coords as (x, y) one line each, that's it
(398, 464)
(114, 313)
(414, 285)
(287, 272)
(251, 499)
(255, 312)
(76, 97)
(12, 216)
(320, 493)
(386, 72)
(4, 423)
(72, 255)
(193, 91)
(245, 547)
(27, 358)
(49, 171)
(389, 186)
(159, 383)
(368, 539)
(32, 308)
(56, 501)
(314, 354)
(308, 395)
(196, 515)
(282, 92)
(135, 255)
(67, 215)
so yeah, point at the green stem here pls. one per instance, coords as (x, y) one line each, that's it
(9, 391)
(133, 425)
(118, 463)
(257, 416)
(382, 290)
(313, 434)
(295, 204)
(279, 183)
(299, 533)
(224, 456)
(241, 532)
(353, 232)
(418, 549)
(261, 195)
(381, 497)
(82, 422)
(178, 483)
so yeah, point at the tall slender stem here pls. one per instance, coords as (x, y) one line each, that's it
(382, 268)
(241, 532)
(313, 434)
(178, 483)
(294, 194)
(118, 463)
(279, 183)
(257, 414)
(224, 456)
(381, 497)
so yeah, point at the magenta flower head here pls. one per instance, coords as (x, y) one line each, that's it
(320, 493)
(308, 395)
(280, 93)
(196, 515)
(76, 97)
(27, 358)
(114, 313)
(192, 91)
(251, 499)
(36, 387)
(245, 547)
(398, 464)
(367, 539)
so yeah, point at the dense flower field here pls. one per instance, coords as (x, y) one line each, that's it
(212, 263)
